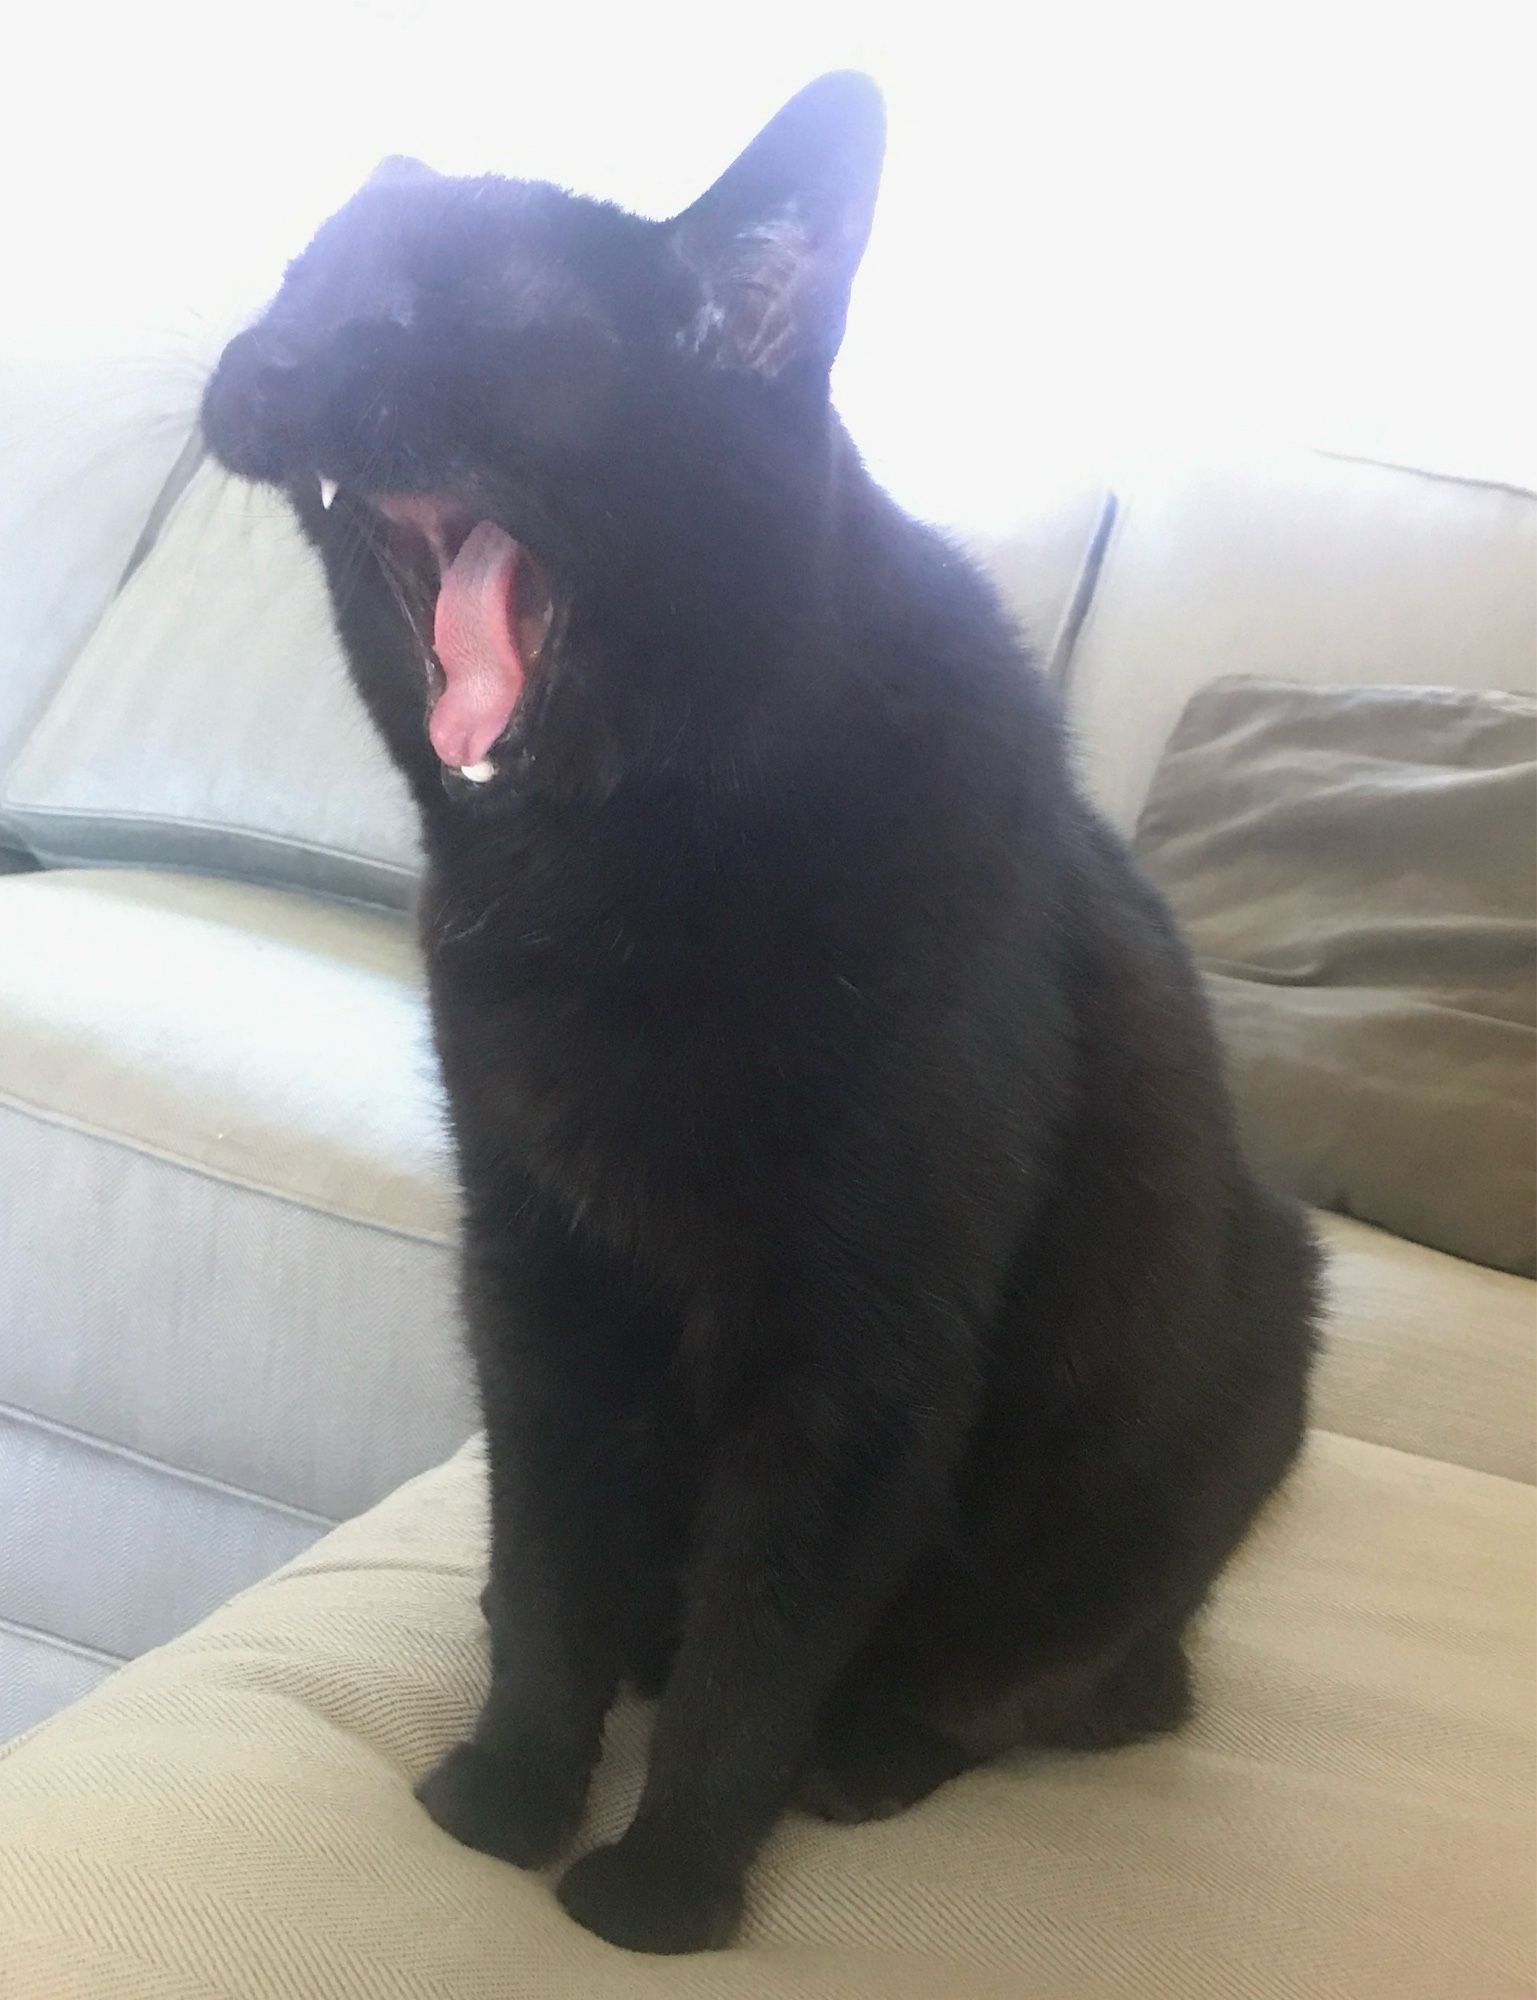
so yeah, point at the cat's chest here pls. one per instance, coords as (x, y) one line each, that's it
(651, 1093)
(653, 1024)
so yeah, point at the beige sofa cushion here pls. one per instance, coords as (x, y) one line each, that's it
(1351, 1814)
(232, 1090)
(190, 1018)
(227, 1293)
(1427, 1354)
(1303, 568)
(1356, 871)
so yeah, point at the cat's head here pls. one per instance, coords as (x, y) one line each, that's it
(528, 431)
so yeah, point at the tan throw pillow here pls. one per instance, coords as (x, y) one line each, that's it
(1356, 871)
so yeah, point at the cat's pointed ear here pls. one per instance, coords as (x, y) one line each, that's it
(776, 241)
(399, 170)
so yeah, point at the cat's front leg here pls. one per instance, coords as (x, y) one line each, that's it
(823, 1490)
(564, 1352)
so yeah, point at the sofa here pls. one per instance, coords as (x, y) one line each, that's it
(226, 1284)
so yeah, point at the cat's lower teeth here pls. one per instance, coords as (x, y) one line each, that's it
(478, 774)
(327, 492)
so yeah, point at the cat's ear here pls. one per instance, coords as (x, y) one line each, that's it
(399, 170)
(776, 241)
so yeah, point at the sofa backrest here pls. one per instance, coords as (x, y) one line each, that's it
(206, 721)
(1300, 567)
(87, 439)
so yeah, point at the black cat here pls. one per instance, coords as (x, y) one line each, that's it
(882, 1343)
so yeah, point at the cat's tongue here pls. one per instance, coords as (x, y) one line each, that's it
(475, 635)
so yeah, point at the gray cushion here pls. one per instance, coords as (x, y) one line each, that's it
(1354, 867)
(226, 1282)
(121, 1554)
(87, 438)
(1302, 566)
(208, 721)
(39, 1674)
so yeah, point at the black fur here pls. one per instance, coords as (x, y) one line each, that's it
(882, 1343)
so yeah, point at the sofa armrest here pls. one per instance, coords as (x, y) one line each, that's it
(1349, 1814)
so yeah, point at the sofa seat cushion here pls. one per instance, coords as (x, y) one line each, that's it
(1426, 1353)
(226, 1280)
(274, 1040)
(1350, 1813)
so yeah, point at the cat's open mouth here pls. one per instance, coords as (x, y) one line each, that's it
(491, 617)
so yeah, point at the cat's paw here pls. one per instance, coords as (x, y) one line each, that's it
(1149, 1694)
(875, 1767)
(648, 1894)
(520, 1807)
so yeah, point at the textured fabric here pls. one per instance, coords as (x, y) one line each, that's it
(238, 1336)
(39, 1673)
(209, 723)
(269, 1039)
(1356, 871)
(1350, 1816)
(87, 437)
(1426, 1353)
(227, 1311)
(1302, 568)
(119, 1553)
(262, 1355)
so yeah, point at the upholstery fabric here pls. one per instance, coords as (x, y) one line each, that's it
(226, 1286)
(1350, 1814)
(1299, 567)
(1427, 1354)
(1356, 871)
(88, 435)
(40, 1673)
(117, 1552)
(208, 721)
(271, 1039)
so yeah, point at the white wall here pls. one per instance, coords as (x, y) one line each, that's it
(1107, 229)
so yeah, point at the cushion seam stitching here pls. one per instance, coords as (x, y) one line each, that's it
(150, 1463)
(173, 822)
(63, 1121)
(56, 1642)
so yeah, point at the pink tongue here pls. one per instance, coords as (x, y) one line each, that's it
(474, 636)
